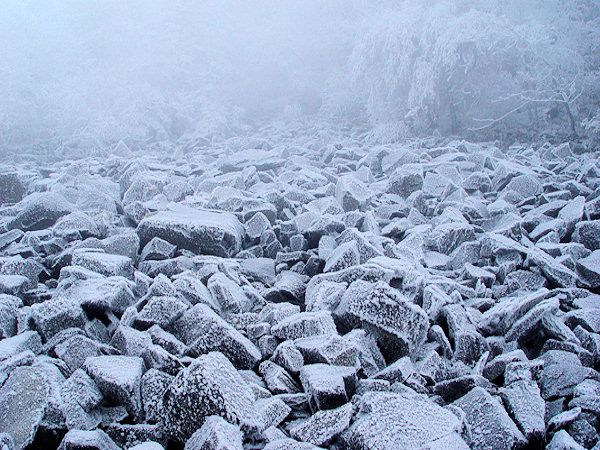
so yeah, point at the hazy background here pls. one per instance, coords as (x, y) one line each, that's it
(90, 73)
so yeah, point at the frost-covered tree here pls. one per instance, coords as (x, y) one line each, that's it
(479, 66)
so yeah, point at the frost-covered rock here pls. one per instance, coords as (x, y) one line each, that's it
(323, 426)
(488, 423)
(23, 400)
(209, 386)
(388, 420)
(119, 379)
(388, 313)
(199, 231)
(215, 434)
(202, 330)
(328, 386)
(305, 324)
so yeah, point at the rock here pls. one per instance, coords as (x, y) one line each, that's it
(588, 234)
(229, 296)
(273, 411)
(215, 434)
(28, 340)
(119, 379)
(589, 268)
(305, 324)
(79, 395)
(202, 330)
(153, 387)
(289, 444)
(39, 210)
(209, 386)
(389, 420)
(328, 349)
(11, 187)
(87, 440)
(447, 237)
(323, 426)
(328, 386)
(8, 315)
(160, 311)
(55, 315)
(527, 408)
(562, 441)
(196, 230)
(104, 263)
(561, 373)
(344, 256)
(488, 423)
(405, 180)
(76, 349)
(351, 193)
(468, 344)
(277, 379)
(23, 400)
(158, 248)
(391, 316)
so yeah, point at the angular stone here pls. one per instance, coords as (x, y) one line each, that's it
(305, 324)
(323, 426)
(390, 420)
(328, 386)
(216, 434)
(589, 268)
(488, 423)
(344, 256)
(11, 187)
(588, 234)
(158, 248)
(527, 408)
(203, 331)
(196, 230)
(104, 263)
(153, 387)
(87, 440)
(55, 315)
(39, 210)
(23, 400)
(389, 314)
(119, 379)
(351, 193)
(405, 180)
(328, 349)
(160, 311)
(209, 386)
(28, 340)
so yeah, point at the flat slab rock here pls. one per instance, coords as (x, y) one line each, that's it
(197, 230)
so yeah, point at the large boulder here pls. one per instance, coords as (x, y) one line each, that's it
(198, 230)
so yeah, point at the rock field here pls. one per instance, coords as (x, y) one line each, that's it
(444, 295)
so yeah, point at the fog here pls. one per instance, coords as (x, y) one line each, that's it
(84, 73)
(68, 65)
